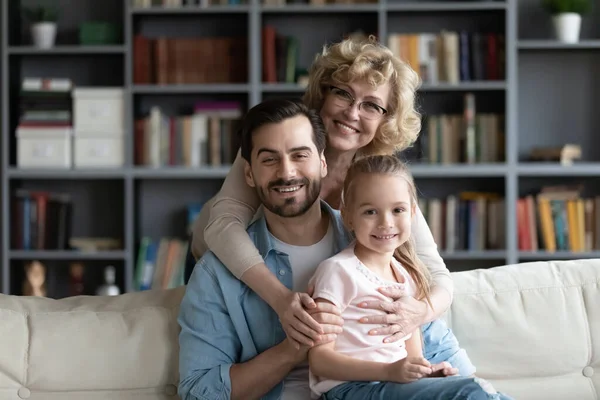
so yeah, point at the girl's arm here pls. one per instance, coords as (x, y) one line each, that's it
(221, 227)
(442, 286)
(326, 362)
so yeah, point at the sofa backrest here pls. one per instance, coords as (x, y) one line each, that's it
(89, 347)
(533, 329)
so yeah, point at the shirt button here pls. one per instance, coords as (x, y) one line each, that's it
(588, 372)
(281, 272)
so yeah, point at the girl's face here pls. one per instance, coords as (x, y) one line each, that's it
(380, 213)
(348, 127)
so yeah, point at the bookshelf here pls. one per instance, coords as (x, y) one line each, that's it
(135, 201)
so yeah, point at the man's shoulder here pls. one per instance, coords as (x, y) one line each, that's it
(209, 268)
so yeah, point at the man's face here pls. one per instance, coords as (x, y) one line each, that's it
(286, 167)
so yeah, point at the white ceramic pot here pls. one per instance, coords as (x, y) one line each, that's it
(43, 34)
(567, 27)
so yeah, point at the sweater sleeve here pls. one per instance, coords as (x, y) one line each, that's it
(427, 252)
(222, 223)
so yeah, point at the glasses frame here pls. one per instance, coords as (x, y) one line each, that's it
(384, 111)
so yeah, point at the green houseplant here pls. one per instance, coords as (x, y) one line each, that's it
(43, 24)
(566, 17)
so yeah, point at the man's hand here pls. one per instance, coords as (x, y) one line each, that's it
(300, 327)
(405, 314)
(408, 369)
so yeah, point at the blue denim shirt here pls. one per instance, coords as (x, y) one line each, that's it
(224, 322)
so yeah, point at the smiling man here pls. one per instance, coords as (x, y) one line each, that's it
(231, 342)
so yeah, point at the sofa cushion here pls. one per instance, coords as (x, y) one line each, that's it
(90, 347)
(533, 329)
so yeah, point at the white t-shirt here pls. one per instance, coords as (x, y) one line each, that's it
(345, 281)
(303, 261)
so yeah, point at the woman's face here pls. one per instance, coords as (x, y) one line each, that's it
(348, 127)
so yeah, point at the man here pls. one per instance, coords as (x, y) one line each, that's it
(232, 344)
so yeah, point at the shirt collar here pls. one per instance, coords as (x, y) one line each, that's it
(264, 242)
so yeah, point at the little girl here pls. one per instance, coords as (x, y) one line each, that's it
(378, 203)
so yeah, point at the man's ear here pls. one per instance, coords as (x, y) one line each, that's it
(248, 175)
(323, 165)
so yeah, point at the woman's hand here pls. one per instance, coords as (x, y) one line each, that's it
(405, 314)
(299, 326)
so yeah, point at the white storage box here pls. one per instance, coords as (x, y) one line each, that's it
(44, 147)
(98, 150)
(99, 110)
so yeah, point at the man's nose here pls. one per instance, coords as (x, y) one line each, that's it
(287, 169)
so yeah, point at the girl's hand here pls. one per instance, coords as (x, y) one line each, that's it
(299, 326)
(405, 314)
(409, 369)
(442, 370)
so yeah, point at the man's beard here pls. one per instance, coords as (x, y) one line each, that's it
(291, 207)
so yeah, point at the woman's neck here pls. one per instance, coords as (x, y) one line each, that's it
(338, 162)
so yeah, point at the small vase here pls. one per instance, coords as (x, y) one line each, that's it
(43, 34)
(567, 27)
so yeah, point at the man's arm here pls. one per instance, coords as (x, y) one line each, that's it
(210, 347)
(255, 378)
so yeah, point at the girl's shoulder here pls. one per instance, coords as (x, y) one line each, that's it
(338, 263)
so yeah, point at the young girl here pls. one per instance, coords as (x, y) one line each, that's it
(378, 204)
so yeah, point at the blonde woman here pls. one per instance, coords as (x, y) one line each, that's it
(366, 98)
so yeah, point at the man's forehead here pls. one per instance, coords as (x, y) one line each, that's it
(284, 137)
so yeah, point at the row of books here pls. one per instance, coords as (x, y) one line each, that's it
(469, 137)
(160, 263)
(41, 220)
(558, 218)
(206, 137)
(473, 221)
(452, 57)
(280, 57)
(189, 60)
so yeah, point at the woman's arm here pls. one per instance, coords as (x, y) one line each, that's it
(442, 286)
(221, 227)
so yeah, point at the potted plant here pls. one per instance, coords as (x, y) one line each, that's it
(566, 17)
(43, 24)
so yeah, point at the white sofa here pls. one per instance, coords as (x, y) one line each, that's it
(532, 329)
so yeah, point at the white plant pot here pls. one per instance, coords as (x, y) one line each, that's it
(43, 34)
(567, 27)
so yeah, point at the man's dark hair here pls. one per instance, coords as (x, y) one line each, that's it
(274, 111)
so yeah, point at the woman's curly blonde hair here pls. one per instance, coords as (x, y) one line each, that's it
(361, 57)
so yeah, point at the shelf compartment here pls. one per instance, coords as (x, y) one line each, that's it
(66, 255)
(474, 255)
(181, 172)
(551, 45)
(62, 50)
(315, 9)
(464, 86)
(17, 173)
(428, 6)
(554, 169)
(558, 255)
(458, 170)
(230, 9)
(191, 88)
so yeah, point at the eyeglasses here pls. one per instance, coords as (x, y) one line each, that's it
(366, 109)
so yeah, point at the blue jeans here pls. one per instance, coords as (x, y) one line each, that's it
(449, 388)
(440, 344)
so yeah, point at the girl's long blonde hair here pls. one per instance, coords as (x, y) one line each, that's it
(406, 253)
